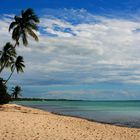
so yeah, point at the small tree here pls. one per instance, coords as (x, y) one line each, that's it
(16, 92)
(7, 56)
(18, 65)
(4, 96)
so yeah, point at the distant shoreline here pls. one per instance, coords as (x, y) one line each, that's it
(43, 99)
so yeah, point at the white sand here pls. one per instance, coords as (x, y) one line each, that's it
(23, 123)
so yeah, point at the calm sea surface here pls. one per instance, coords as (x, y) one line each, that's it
(125, 113)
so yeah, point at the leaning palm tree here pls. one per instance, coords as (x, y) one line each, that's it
(24, 25)
(7, 56)
(18, 65)
(16, 91)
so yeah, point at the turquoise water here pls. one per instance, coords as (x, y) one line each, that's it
(125, 113)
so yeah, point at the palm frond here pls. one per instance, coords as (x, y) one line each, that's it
(16, 33)
(7, 56)
(32, 26)
(32, 34)
(24, 38)
(35, 18)
(29, 12)
(23, 25)
(19, 64)
(12, 25)
(17, 19)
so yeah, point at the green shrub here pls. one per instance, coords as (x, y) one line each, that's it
(4, 96)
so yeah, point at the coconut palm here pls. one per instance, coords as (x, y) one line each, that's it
(18, 65)
(16, 91)
(7, 56)
(24, 25)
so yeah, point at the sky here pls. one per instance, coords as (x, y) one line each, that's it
(87, 49)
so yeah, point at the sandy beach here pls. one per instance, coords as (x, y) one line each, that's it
(24, 123)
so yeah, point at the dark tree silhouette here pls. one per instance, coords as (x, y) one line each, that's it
(24, 25)
(18, 65)
(4, 96)
(7, 56)
(16, 92)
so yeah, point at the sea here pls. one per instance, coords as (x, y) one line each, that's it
(121, 113)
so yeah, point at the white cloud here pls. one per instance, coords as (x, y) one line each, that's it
(86, 53)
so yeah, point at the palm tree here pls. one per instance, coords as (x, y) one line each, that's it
(24, 25)
(7, 56)
(18, 65)
(16, 91)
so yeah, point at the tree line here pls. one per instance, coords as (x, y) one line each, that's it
(24, 25)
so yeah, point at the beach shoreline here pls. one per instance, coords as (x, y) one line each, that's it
(85, 118)
(49, 126)
(94, 121)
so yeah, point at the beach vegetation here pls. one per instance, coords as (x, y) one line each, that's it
(23, 26)
(4, 95)
(17, 65)
(16, 92)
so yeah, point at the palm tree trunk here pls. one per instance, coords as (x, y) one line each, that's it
(9, 76)
(17, 43)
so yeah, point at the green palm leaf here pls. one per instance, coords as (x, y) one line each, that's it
(7, 56)
(23, 25)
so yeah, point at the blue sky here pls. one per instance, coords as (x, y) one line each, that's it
(94, 6)
(87, 49)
